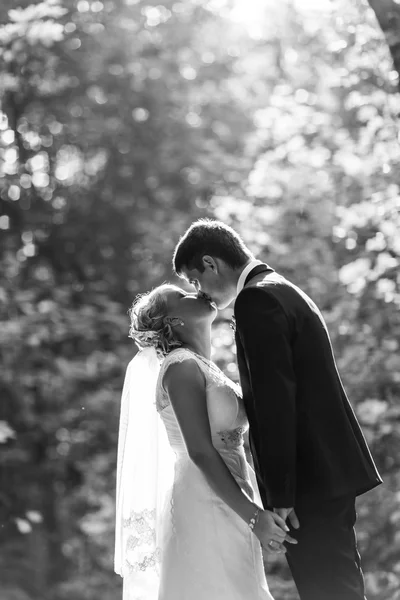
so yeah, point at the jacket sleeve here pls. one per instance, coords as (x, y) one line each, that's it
(263, 330)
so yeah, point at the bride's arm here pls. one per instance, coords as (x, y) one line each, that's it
(186, 389)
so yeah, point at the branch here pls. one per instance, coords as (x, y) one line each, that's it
(388, 15)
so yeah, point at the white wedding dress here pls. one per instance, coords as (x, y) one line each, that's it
(206, 551)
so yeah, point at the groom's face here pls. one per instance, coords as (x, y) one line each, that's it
(211, 283)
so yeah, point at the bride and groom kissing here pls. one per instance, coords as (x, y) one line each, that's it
(193, 518)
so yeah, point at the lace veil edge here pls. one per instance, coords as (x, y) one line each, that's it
(144, 471)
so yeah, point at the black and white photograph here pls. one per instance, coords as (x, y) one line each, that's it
(200, 300)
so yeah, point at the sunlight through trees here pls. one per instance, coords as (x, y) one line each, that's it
(120, 123)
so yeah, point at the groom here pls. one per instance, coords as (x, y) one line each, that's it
(309, 453)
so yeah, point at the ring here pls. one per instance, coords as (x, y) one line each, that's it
(271, 544)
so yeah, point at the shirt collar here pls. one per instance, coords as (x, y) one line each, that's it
(245, 272)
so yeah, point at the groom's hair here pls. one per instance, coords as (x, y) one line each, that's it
(214, 238)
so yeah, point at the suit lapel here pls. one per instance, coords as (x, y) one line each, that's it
(263, 268)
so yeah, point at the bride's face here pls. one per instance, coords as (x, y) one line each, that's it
(191, 308)
(211, 282)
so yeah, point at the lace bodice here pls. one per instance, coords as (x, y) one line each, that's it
(227, 416)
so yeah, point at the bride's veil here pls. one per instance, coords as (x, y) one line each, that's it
(144, 474)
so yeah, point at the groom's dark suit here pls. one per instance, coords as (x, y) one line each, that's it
(308, 448)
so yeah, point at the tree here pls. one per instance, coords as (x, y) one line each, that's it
(324, 211)
(117, 120)
(121, 122)
(388, 14)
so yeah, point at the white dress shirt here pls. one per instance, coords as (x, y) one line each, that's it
(245, 272)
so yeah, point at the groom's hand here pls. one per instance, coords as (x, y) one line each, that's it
(288, 513)
(271, 531)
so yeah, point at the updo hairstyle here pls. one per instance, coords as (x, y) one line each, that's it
(148, 327)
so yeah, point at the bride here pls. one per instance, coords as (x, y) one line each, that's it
(189, 522)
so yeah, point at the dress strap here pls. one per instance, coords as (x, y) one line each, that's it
(178, 355)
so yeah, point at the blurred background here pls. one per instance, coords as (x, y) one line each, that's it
(122, 121)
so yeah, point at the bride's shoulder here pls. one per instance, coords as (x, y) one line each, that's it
(181, 366)
(178, 355)
(179, 363)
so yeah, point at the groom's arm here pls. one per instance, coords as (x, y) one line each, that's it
(264, 333)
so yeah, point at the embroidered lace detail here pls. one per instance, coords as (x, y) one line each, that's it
(176, 356)
(149, 561)
(232, 438)
(142, 533)
(232, 325)
(138, 520)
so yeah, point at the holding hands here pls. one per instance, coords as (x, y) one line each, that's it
(288, 513)
(272, 531)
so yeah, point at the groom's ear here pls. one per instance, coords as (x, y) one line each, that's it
(210, 263)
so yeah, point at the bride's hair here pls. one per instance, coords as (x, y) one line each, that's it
(148, 322)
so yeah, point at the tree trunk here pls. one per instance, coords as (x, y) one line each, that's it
(388, 14)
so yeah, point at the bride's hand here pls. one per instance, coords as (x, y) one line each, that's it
(270, 527)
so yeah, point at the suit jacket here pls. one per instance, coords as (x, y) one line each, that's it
(306, 442)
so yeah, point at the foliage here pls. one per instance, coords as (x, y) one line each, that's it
(388, 15)
(121, 122)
